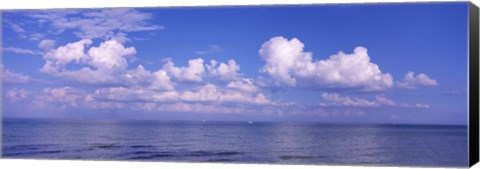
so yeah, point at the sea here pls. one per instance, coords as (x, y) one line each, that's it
(236, 142)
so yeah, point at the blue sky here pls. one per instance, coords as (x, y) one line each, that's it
(363, 63)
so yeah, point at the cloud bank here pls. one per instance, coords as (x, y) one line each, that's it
(335, 99)
(209, 86)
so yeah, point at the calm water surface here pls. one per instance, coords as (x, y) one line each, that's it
(236, 142)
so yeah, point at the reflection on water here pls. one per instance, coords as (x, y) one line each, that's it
(295, 143)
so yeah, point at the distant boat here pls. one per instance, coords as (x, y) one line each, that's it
(204, 120)
(250, 122)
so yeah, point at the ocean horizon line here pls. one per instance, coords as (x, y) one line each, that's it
(235, 121)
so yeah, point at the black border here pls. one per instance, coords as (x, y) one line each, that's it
(473, 85)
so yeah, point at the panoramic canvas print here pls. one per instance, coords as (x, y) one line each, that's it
(337, 84)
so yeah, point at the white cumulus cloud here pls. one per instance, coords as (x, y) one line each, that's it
(158, 80)
(410, 81)
(107, 64)
(161, 81)
(46, 44)
(107, 60)
(71, 52)
(289, 65)
(244, 84)
(64, 96)
(110, 55)
(191, 73)
(226, 71)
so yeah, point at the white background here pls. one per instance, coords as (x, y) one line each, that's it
(54, 164)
